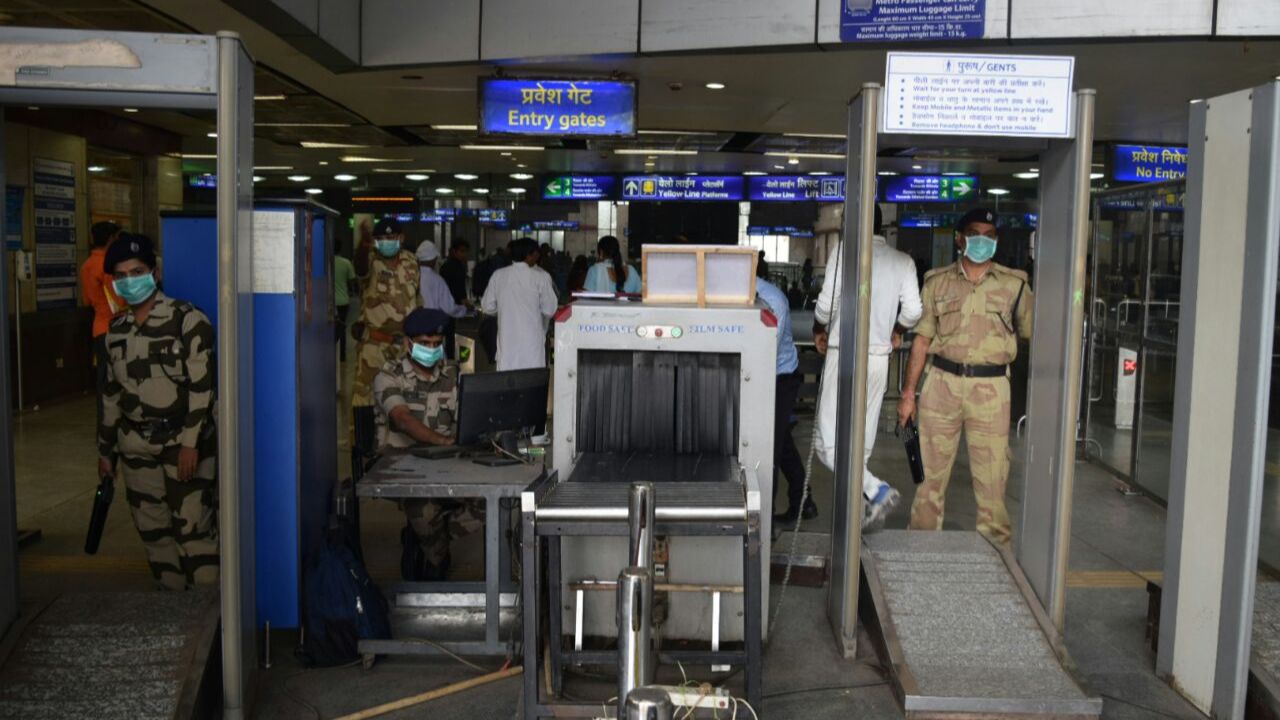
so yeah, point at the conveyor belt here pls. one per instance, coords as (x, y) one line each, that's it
(954, 621)
(698, 486)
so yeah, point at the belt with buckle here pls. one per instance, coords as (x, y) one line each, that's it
(974, 371)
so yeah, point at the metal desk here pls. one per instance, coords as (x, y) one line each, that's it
(444, 612)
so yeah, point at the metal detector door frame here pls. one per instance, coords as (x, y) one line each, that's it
(53, 67)
(1044, 528)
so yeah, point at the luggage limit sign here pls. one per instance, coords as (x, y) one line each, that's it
(992, 95)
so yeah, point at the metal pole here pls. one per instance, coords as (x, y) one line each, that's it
(640, 523)
(635, 661)
(649, 703)
(1075, 326)
(8, 480)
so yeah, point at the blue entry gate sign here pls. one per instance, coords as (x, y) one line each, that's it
(911, 20)
(795, 188)
(1149, 163)
(670, 187)
(557, 107)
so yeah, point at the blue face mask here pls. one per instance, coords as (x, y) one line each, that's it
(979, 248)
(387, 248)
(135, 289)
(426, 356)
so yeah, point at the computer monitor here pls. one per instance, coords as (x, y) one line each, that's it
(490, 403)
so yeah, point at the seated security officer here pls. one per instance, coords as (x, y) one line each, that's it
(416, 403)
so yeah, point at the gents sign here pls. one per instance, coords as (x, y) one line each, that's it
(557, 107)
(578, 187)
(996, 95)
(792, 188)
(1149, 163)
(929, 188)
(667, 187)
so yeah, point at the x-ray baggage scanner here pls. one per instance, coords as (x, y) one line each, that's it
(991, 657)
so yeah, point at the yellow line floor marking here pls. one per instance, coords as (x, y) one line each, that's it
(1112, 578)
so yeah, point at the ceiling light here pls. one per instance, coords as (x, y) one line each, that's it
(268, 97)
(691, 174)
(1034, 170)
(212, 134)
(454, 127)
(715, 86)
(825, 136)
(674, 132)
(1096, 176)
(517, 191)
(444, 191)
(303, 124)
(272, 167)
(344, 177)
(313, 191)
(793, 161)
(361, 158)
(521, 176)
(97, 168)
(816, 156)
(466, 176)
(258, 178)
(1026, 175)
(779, 167)
(480, 191)
(997, 191)
(198, 156)
(33, 107)
(886, 173)
(299, 178)
(754, 172)
(954, 174)
(521, 165)
(398, 171)
(512, 148)
(131, 110)
(505, 154)
(652, 157)
(416, 177)
(317, 145)
(819, 172)
(652, 151)
(917, 167)
(649, 166)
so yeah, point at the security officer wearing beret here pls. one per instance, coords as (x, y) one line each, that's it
(158, 419)
(974, 312)
(416, 401)
(389, 274)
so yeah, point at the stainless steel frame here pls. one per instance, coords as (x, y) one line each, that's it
(189, 72)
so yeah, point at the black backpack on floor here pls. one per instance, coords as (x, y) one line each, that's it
(340, 606)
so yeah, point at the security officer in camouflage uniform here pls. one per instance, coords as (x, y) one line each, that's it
(416, 398)
(974, 311)
(158, 419)
(389, 274)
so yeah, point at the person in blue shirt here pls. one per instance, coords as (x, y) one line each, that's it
(610, 273)
(786, 458)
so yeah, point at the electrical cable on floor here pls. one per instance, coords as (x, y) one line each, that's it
(1140, 706)
(825, 688)
(299, 701)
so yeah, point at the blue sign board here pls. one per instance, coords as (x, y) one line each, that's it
(493, 216)
(911, 20)
(13, 196)
(929, 188)
(207, 180)
(578, 187)
(670, 187)
(1149, 163)
(795, 188)
(557, 107)
(551, 225)
(792, 230)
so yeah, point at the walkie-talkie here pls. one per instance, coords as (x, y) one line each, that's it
(98, 518)
(910, 435)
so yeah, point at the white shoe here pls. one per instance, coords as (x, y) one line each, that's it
(876, 510)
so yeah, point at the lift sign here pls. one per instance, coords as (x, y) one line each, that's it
(557, 107)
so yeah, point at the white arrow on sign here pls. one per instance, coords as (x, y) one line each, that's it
(631, 187)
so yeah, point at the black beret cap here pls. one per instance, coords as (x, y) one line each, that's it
(127, 247)
(976, 215)
(386, 226)
(425, 321)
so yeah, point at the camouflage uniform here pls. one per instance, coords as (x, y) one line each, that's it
(435, 403)
(159, 398)
(971, 324)
(390, 293)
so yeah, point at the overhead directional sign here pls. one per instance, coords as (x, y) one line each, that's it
(907, 20)
(794, 188)
(578, 187)
(929, 188)
(1149, 163)
(994, 95)
(669, 187)
(557, 107)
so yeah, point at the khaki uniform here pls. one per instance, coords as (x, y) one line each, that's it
(390, 294)
(159, 398)
(971, 324)
(435, 403)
